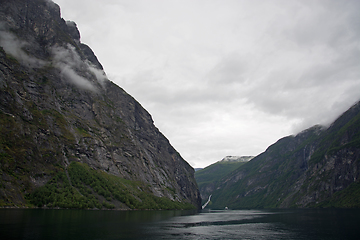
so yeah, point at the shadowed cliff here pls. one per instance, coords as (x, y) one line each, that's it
(319, 167)
(59, 112)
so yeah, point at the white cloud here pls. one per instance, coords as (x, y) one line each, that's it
(227, 77)
(66, 59)
(15, 47)
(99, 74)
(69, 62)
(75, 78)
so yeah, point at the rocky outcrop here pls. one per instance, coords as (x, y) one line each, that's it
(57, 106)
(315, 168)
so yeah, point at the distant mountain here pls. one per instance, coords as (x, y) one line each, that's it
(207, 178)
(319, 167)
(237, 159)
(69, 137)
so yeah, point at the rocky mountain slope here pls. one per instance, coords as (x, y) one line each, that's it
(208, 177)
(319, 167)
(62, 122)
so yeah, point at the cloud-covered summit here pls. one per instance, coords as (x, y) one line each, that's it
(65, 58)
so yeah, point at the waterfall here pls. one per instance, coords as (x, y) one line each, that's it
(204, 206)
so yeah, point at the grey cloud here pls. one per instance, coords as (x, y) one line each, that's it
(68, 61)
(234, 83)
(231, 69)
(66, 56)
(334, 24)
(149, 88)
(70, 74)
(99, 73)
(14, 46)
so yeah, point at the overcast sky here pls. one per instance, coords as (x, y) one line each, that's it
(227, 77)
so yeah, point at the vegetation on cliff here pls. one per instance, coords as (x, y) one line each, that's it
(59, 113)
(208, 177)
(80, 186)
(319, 167)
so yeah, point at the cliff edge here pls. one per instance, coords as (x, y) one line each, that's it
(62, 122)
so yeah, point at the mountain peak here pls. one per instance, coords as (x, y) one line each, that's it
(237, 159)
(319, 167)
(64, 125)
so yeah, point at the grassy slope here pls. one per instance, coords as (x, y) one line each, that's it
(80, 186)
(215, 172)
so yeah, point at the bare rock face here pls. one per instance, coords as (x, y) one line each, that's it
(57, 106)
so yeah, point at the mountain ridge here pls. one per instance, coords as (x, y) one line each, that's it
(315, 168)
(58, 109)
(236, 159)
(207, 177)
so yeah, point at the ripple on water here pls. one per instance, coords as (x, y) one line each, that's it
(223, 225)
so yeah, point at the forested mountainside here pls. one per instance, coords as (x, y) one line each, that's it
(69, 137)
(319, 167)
(206, 178)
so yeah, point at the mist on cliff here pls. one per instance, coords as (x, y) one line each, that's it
(69, 62)
(66, 59)
(227, 77)
(15, 47)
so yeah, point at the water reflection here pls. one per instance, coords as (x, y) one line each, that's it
(269, 224)
(78, 224)
(244, 224)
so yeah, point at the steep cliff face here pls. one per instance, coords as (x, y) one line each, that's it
(317, 168)
(57, 107)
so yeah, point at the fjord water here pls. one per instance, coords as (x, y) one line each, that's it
(237, 224)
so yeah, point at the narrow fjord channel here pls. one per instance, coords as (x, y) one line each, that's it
(232, 224)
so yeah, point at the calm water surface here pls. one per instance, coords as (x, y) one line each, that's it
(239, 224)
